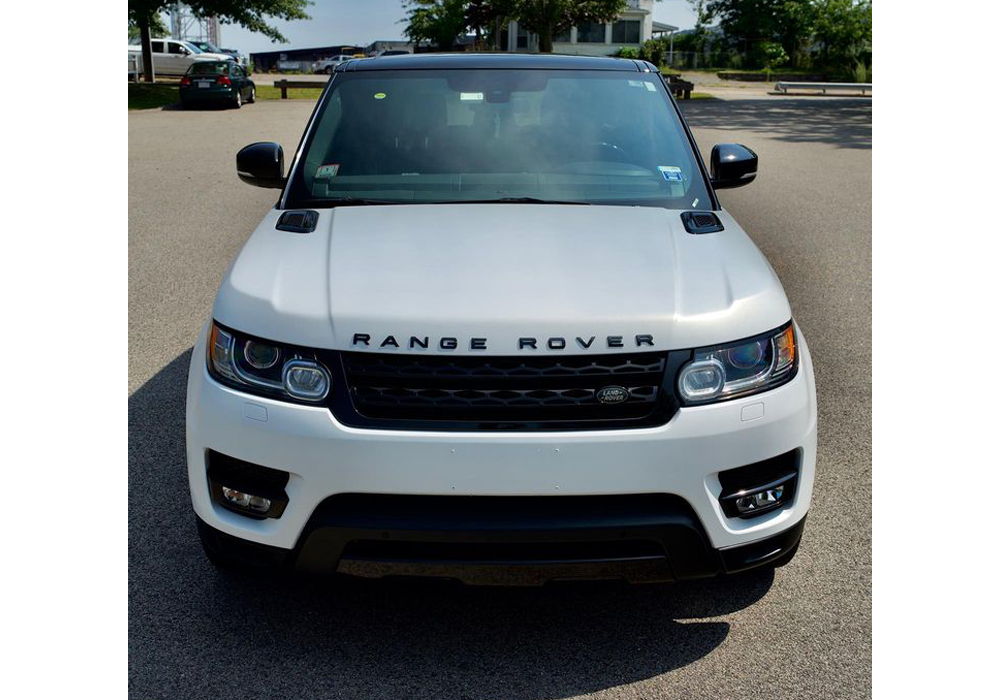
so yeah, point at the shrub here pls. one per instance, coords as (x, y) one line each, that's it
(627, 52)
(773, 55)
(653, 51)
(862, 74)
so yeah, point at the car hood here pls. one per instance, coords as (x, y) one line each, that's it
(575, 278)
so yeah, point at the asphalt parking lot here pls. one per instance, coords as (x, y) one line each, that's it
(801, 632)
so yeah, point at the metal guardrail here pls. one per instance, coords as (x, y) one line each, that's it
(784, 86)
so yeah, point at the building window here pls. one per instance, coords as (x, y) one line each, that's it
(626, 31)
(522, 38)
(563, 37)
(590, 33)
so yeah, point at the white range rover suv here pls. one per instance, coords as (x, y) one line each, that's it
(498, 322)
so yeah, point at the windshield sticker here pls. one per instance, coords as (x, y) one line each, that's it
(471, 97)
(325, 172)
(671, 173)
(636, 83)
(694, 203)
(650, 87)
(379, 95)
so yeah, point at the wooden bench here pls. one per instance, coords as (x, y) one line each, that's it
(680, 87)
(283, 85)
(784, 86)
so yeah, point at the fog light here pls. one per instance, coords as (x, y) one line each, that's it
(242, 499)
(765, 499)
(751, 502)
(754, 489)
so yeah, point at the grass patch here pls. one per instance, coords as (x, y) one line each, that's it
(269, 92)
(702, 96)
(152, 95)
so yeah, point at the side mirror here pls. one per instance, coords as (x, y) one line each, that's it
(261, 165)
(732, 165)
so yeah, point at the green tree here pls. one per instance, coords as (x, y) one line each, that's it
(746, 23)
(795, 25)
(486, 17)
(440, 22)
(699, 37)
(547, 18)
(250, 14)
(843, 31)
(156, 27)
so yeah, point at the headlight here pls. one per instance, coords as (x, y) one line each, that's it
(262, 367)
(741, 368)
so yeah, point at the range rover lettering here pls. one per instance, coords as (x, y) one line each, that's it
(499, 322)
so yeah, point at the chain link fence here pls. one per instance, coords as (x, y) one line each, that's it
(705, 60)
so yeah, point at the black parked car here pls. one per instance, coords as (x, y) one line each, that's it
(217, 81)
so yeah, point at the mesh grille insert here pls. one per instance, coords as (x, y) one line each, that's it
(562, 390)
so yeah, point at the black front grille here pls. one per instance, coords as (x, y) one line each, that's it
(550, 392)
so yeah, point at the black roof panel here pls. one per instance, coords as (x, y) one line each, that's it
(438, 61)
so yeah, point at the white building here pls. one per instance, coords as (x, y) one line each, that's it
(634, 26)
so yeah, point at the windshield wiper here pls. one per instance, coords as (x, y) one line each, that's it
(349, 201)
(512, 200)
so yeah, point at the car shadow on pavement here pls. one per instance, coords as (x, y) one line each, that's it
(843, 123)
(198, 632)
(206, 107)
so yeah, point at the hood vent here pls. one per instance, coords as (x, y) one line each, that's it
(701, 222)
(298, 221)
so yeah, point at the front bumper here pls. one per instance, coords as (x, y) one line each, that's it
(212, 94)
(677, 463)
(671, 549)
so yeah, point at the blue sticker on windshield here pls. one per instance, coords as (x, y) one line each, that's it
(325, 172)
(671, 173)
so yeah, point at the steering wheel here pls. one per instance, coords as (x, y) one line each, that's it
(620, 153)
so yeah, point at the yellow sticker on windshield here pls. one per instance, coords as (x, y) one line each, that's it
(379, 95)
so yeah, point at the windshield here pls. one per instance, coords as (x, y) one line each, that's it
(208, 68)
(207, 47)
(424, 136)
